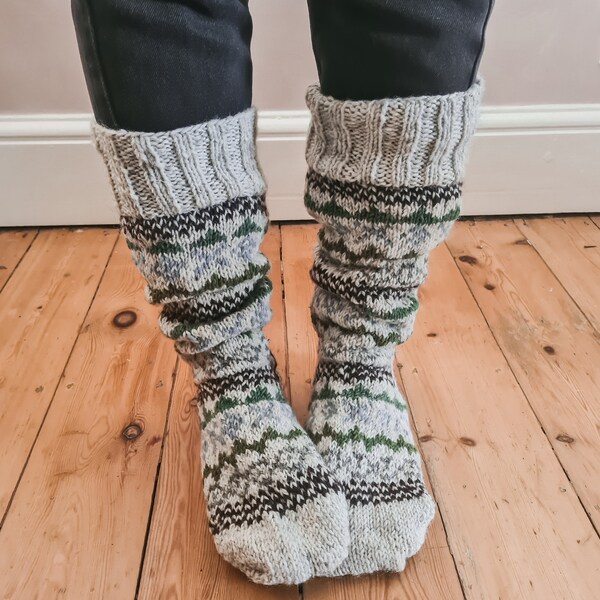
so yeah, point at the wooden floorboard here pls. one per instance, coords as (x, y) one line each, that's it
(14, 244)
(527, 310)
(77, 524)
(181, 560)
(502, 377)
(515, 525)
(41, 310)
(571, 249)
(431, 574)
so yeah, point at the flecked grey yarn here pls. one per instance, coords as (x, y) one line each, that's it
(384, 180)
(193, 213)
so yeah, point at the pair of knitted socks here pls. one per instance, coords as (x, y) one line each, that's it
(346, 495)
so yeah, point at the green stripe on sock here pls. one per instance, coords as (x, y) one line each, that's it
(355, 435)
(247, 227)
(211, 237)
(214, 283)
(241, 446)
(259, 394)
(397, 314)
(419, 217)
(368, 253)
(380, 340)
(359, 392)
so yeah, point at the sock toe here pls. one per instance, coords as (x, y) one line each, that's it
(293, 547)
(385, 535)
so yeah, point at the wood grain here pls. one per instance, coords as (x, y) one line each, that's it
(77, 524)
(181, 561)
(431, 574)
(297, 245)
(14, 243)
(526, 308)
(41, 312)
(571, 248)
(515, 525)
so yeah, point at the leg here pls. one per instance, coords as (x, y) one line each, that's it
(154, 65)
(370, 49)
(193, 214)
(384, 180)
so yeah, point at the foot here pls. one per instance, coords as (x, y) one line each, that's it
(274, 510)
(359, 423)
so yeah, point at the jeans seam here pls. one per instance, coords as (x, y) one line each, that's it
(482, 44)
(96, 55)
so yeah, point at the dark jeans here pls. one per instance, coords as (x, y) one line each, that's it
(155, 65)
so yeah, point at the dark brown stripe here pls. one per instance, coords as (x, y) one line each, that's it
(342, 285)
(245, 380)
(152, 231)
(353, 373)
(280, 498)
(363, 493)
(378, 194)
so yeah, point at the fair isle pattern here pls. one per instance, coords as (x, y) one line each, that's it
(193, 214)
(384, 181)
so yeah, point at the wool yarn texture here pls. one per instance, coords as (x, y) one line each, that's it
(192, 205)
(384, 180)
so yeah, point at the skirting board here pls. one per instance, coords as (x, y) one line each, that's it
(524, 160)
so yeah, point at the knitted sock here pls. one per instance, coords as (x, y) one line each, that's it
(193, 213)
(384, 180)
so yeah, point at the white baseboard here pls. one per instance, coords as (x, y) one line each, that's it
(524, 160)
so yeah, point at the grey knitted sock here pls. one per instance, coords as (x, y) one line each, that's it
(193, 213)
(384, 180)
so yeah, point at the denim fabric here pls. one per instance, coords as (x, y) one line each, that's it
(374, 49)
(157, 65)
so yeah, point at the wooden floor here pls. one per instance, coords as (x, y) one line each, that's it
(100, 488)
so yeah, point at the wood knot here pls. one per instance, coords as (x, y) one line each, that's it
(549, 350)
(425, 438)
(467, 441)
(126, 318)
(489, 286)
(563, 437)
(432, 334)
(470, 260)
(132, 431)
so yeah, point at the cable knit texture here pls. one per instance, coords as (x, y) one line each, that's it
(193, 213)
(384, 180)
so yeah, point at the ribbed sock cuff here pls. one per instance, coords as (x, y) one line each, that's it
(175, 172)
(415, 141)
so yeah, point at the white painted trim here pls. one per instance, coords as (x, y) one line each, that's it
(550, 117)
(525, 159)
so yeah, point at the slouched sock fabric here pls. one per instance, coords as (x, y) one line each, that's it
(384, 180)
(193, 213)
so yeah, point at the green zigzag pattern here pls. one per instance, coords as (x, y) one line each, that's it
(369, 253)
(381, 341)
(215, 282)
(240, 446)
(359, 392)
(355, 435)
(211, 238)
(259, 394)
(372, 215)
